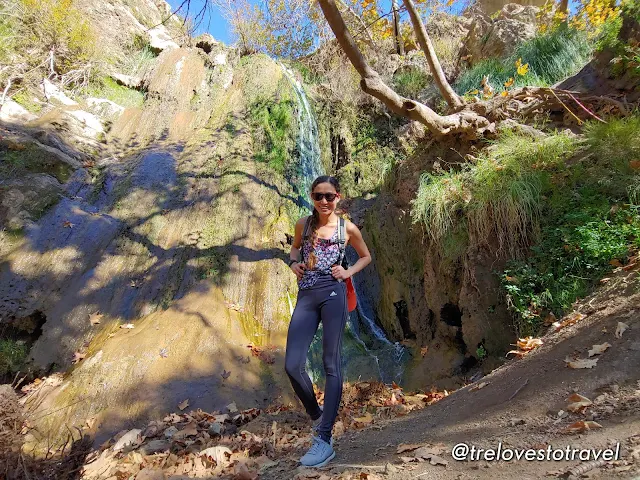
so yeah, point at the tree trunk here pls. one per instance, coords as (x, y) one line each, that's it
(465, 122)
(447, 92)
(564, 7)
(396, 28)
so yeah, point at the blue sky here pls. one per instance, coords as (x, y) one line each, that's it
(215, 24)
(214, 21)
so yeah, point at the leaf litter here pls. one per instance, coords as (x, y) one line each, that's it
(242, 444)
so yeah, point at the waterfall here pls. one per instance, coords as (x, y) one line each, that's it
(365, 340)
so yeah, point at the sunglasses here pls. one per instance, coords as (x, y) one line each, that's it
(317, 196)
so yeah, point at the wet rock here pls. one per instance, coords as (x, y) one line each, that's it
(15, 113)
(215, 429)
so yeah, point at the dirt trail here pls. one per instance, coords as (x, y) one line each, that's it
(519, 406)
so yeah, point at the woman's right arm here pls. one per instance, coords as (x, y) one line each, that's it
(297, 267)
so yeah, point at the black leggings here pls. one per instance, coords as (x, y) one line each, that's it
(326, 301)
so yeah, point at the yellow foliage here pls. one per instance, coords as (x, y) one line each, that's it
(521, 68)
(58, 25)
(590, 16)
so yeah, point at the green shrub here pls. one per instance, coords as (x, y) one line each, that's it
(58, 24)
(12, 356)
(410, 82)
(590, 222)
(500, 196)
(273, 130)
(551, 57)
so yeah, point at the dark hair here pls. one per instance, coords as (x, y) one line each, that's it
(326, 179)
(315, 217)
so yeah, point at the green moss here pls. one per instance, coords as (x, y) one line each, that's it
(25, 99)
(108, 88)
(13, 354)
(18, 162)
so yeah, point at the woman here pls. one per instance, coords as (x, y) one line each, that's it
(322, 297)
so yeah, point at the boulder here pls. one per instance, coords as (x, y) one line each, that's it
(104, 108)
(127, 80)
(55, 95)
(496, 38)
(24, 199)
(160, 40)
(13, 112)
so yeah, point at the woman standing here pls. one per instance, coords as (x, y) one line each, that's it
(322, 298)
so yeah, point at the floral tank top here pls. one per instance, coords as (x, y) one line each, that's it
(327, 254)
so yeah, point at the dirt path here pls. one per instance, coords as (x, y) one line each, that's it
(519, 407)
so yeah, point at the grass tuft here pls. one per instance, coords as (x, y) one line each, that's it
(551, 57)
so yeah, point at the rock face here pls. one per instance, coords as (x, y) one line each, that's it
(498, 37)
(491, 6)
(22, 200)
(15, 113)
(182, 235)
(117, 23)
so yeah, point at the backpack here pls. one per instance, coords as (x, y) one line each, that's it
(352, 301)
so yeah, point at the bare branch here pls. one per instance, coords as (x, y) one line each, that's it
(447, 92)
(466, 122)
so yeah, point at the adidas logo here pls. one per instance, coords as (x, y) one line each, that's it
(333, 294)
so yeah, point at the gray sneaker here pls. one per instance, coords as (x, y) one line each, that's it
(319, 454)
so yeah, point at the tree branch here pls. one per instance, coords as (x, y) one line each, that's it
(447, 92)
(466, 122)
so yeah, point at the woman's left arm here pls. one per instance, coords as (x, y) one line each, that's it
(354, 239)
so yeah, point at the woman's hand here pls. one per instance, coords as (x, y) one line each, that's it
(339, 273)
(298, 268)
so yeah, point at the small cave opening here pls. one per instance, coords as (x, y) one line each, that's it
(402, 314)
(205, 46)
(451, 315)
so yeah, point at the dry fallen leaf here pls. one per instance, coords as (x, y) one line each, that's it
(128, 326)
(232, 407)
(217, 454)
(581, 362)
(424, 350)
(620, 329)
(582, 426)
(578, 403)
(365, 419)
(406, 447)
(569, 320)
(94, 318)
(184, 404)
(225, 374)
(68, 224)
(525, 345)
(598, 349)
